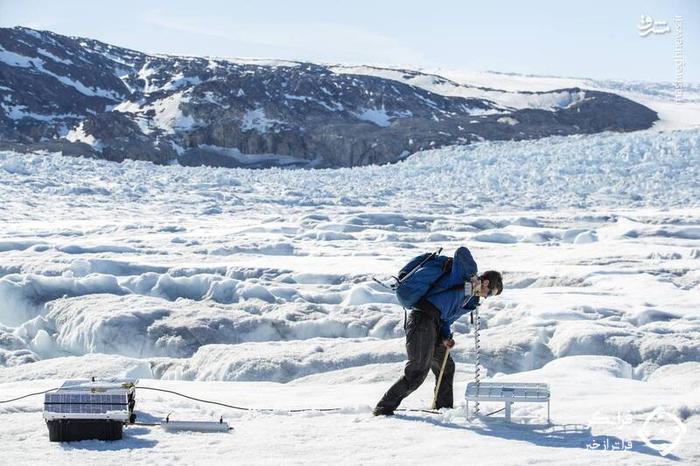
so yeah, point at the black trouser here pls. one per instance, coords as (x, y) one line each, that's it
(425, 353)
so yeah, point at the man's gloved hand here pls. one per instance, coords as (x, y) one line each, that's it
(448, 342)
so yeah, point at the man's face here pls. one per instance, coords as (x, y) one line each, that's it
(485, 292)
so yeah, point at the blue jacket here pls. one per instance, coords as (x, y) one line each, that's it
(452, 303)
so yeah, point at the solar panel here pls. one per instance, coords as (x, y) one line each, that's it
(89, 409)
(86, 399)
(92, 403)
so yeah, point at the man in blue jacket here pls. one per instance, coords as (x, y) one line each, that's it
(428, 333)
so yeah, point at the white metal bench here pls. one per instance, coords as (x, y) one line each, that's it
(508, 393)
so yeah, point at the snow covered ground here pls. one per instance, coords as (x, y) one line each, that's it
(255, 288)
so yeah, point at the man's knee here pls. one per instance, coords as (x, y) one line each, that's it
(418, 365)
(415, 377)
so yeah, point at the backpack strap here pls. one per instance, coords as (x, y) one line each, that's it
(446, 269)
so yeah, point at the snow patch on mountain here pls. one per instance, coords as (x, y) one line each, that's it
(256, 120)
(77, 134)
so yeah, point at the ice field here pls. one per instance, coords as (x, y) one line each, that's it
(254, 287)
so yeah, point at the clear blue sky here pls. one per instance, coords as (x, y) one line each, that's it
(595, 38)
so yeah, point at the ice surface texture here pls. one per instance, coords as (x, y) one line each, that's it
(219, 274)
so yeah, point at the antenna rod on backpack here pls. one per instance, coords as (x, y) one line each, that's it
(399, 281)
(417, 267)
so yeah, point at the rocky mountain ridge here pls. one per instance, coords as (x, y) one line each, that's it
(84, 97)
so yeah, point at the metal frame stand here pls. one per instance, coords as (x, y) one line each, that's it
(508, 393)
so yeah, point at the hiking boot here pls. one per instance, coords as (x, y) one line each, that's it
(382, 411)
